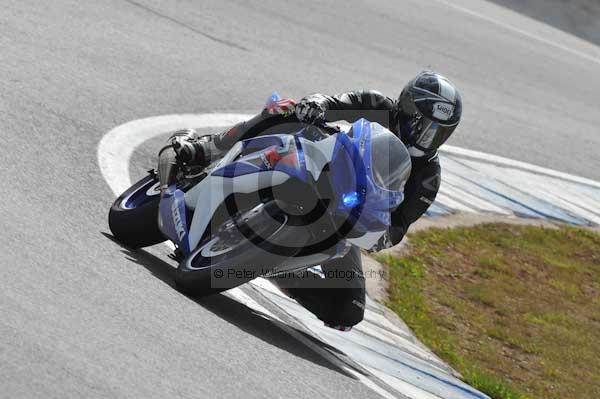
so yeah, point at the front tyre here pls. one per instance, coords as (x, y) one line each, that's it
(133, 217)
(241, 250)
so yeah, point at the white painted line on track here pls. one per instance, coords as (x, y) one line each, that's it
(117, 146)
(522, 32)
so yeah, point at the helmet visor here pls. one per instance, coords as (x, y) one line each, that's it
(429, 135)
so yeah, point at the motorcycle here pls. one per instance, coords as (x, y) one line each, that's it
(277, 203)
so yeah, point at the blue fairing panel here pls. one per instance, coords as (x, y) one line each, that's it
(173, 218)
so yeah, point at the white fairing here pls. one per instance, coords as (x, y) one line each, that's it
(317, 155)
(207, 195)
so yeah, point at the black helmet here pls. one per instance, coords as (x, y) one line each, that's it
(428, 111)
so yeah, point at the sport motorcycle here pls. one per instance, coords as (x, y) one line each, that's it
(276, 203)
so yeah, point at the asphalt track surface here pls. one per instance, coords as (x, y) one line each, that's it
(83, 317)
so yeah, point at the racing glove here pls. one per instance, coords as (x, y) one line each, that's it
(189, 149)
(310, 111)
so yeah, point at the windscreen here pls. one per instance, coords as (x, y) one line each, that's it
(390, 160)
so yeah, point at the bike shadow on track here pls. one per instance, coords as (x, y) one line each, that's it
(250, 321)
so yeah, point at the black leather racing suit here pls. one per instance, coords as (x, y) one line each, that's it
(337, 299)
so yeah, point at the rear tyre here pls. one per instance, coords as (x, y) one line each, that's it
(240, 250)
(133, 217)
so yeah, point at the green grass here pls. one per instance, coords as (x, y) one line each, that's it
(515, 309)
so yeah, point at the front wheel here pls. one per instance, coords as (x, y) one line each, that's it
(133, 217)
(241, 250)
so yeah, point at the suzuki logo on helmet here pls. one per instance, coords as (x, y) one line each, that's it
(443, 111)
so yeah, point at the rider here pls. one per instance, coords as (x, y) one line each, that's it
(424, 116)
